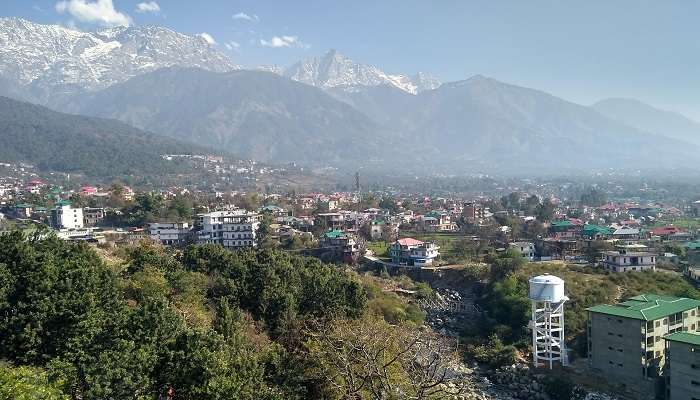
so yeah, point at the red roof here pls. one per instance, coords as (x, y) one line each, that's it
(409, 242)
(666, 230)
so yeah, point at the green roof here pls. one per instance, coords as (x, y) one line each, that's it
(22, 205)
(591, 230)
(693, 245)
(334, 234)
(647, 307)
(684, 337)
(64, 203)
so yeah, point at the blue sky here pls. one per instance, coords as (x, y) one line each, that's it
(582, 51)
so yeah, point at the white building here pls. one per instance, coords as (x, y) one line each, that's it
(169, 233)
(526, 249)
(66, 217)
(627, 261)
(231, 229)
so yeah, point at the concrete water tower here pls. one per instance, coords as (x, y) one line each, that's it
(547, 297)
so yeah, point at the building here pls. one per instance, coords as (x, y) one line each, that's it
(66, 217)
(526, 249)
(409, 251)
(169, 233)
(330, 221)
(626, 261)
(231, 229)
(93, 216)
(474, 213)
(380, 229)
(682, 366)
(340, 245)
(437, 221)
(625, 340)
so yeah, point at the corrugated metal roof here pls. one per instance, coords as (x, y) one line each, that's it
(684, 337)
(647, 307)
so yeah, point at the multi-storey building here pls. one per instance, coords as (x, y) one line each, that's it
(341, 245)
(409, 251)
(682, 366)
(526, 249)
(169, 233)
(231, 229)
(66, 217)
(93, 216)
(626, 261)
(625, 340)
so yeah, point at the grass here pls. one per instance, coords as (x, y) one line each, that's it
(380, 249)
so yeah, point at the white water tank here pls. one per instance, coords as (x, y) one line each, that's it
(547, 288)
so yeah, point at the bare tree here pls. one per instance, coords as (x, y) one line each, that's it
(370, 359)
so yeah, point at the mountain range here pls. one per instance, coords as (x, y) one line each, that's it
(329, 109)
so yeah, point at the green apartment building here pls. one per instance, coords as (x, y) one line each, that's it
(625, 340)
(682, 366)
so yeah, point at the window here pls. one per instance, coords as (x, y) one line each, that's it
(658, 323)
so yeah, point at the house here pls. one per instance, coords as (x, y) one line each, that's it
(23, 210)
(682, 365)
(625, 340)
(409, 251)
(64, 216)
(669, 258)
(566, 229)
(340, 244)
(671, 233)
(596, 232)
(625, 260)
(380, 229)
(169, 233)
(93, 215)
(474, 212)
(232, 229)
(526, 249)
(625, 233)
(330, 221)
(437, 221)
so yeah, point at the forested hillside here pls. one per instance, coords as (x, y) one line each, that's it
(203, 324)
(71, 143)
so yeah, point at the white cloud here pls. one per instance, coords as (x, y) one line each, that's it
(232, 45)
(246, 17)
(148, 7)
(100, 12)
(207, 37)
(284, 41)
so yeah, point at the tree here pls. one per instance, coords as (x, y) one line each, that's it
(27, 383)
(545, 211)
(370, 359)
(593, 197)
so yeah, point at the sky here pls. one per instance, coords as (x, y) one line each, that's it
(582, 51)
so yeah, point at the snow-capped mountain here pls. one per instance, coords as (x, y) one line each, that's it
(336, 70)
(55, 58)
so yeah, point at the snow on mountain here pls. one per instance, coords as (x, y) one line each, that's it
(334, 69)
(52, 57)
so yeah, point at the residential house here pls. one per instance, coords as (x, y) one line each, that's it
(526, 250)
(595, 232)
(625, 260)
(626, 234)
(341, 245)
(64, 216)
(232, 229)
(169, 233)
(330, 221)
(409, 251)
(93, 215)
(437, 221)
